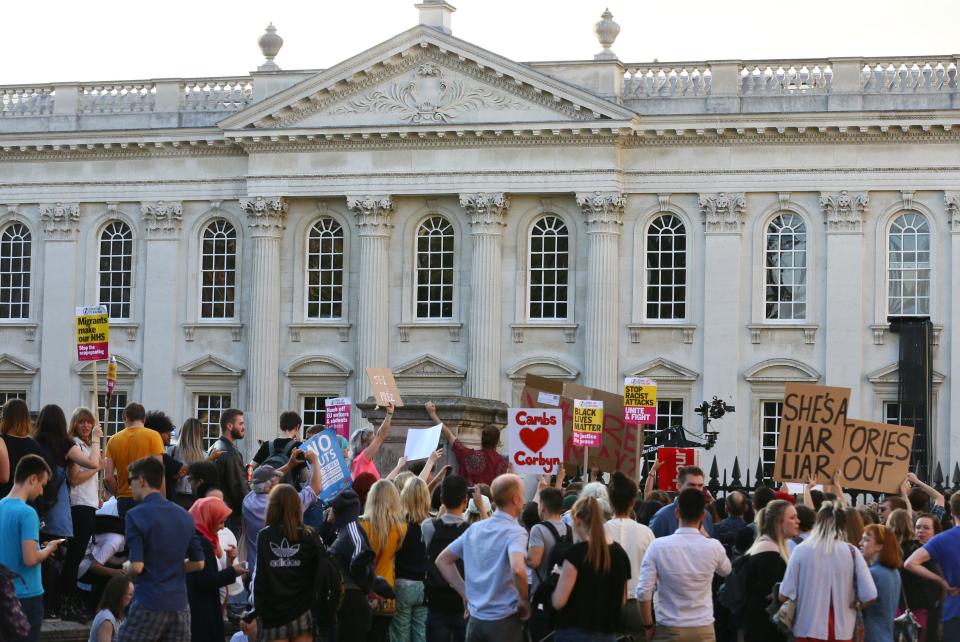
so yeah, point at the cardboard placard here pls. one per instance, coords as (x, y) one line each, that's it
(587, 423)
(384, 387)
(640, 401)
(334, 472)
(93, 333)
(875, 456)
(673, 460)
(535, 440)
(338, 415)
(811, 432)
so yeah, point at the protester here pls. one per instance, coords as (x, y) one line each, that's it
(189, 450)
(476, 466)
(111, 610)
(279, 449)
(889, 504)
(882, 552)
(922, 495)
(826, 576)
(84, 502)
(131, 444)
(665, 522)
(287, 555)
(592, 588)
(807, 517)
(351, 550)
(493, 553)
(15, 428)
(597, 490)
(926, 527)
(764, 565)
(681, 566)
(365, 444)
(479, 507)
(103, 558)
(762, 496)
(944, 549)
(726, 529)
(635, 539)
(174, 469)
(160, 536)
(20, 549)
(445, 608)
(230, 467)
(383, 522)
(545, 535)
(410, 622)
(855, 526)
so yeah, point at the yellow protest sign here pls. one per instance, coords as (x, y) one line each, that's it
(93, 333)
(587, 422)
(640, 401)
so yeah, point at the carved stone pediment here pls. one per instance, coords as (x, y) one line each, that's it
(318, 367)
(13, 366)
(429, 375)
(428, 366)
(661, 369)
(782, 371)
(891, 375)
(210, 366)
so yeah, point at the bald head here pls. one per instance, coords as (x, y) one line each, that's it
(507, 491)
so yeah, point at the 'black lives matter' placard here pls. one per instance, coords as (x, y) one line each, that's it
(811, 432)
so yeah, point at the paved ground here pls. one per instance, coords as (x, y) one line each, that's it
(60, 631)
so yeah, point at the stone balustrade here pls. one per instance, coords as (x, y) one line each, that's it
(216, 94)
(785, 78)
(909, 76)
(677, 79)
(117, 98)
(20, 100)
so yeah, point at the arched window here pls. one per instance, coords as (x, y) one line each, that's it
(435, 269)
(325, 270)
(908, 266)
(549, 269)
(218, 271)
(785, 268)
(666, 268)
(116, 269)
(15, 251)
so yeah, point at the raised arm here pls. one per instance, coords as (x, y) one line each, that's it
(431, 462)
(838, 487)
(932, 492)
(93, 460)
(651, 478)
(399, 468)
(905, 493)
(431, 409)
(381, 435)
(316, 481)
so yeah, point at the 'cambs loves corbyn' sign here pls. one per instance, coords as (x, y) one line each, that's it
(535, 438)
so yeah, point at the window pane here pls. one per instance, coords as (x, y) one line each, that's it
(208, 409)
(325, 266)
(785, 271)
(666, 264)
(218, 272)
(548, 260)
(769, 431)
(434, 268)
(908, 266)
(15, 254)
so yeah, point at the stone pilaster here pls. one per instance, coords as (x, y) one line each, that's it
(486, 213)
(265, 220)
(952, 448)
(843, 215)
(374, 215)
(58, 300)
(604, 214)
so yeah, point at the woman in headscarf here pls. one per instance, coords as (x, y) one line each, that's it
(203, 587)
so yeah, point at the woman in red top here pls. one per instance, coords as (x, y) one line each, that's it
(477, 466)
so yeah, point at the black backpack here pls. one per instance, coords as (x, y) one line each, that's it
(13, 621)
(278, 457)
(543, 616)
(328, 589)
(438, 595)
(51, 491)
(733, 592)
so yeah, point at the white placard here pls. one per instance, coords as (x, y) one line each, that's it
(421, 442)
(535, 440)
(548, 399)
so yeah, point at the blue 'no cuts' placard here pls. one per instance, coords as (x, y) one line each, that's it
(334, 472)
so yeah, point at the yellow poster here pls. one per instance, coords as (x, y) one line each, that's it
(93, 333)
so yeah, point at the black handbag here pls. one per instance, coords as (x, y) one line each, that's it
(905, 626)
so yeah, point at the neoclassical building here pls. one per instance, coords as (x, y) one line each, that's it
(427, 205)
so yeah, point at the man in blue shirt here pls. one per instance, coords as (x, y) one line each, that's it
(160, 536)
(665, 520)
(726, 530)
(944, 549)
(19, 534)
(494, 561)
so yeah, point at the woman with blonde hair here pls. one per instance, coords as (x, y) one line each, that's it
(189, 450)
(882, 552)
(764, 565)
(410, 622)
(383, 522)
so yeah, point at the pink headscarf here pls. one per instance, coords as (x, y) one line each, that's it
(208, 513)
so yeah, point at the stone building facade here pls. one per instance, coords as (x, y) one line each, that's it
(722, 226)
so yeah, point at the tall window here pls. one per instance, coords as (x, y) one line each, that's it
(111, 415)
(209, 407)
(15, 272)
(313, 409)
(785, 263)
(7, 395)
(910, 415)
(218, 271)
(908, 266)
(666, 268)
(116, 269)
(769, 430)
(669, 413)
(435, 269)
(549, 269)
(325, 270)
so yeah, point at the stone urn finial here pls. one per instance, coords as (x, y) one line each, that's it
(606, 31)
(270, 44)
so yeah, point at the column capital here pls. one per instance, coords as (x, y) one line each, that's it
(265, 215)
(723, 213)
(373, 213)
(844, 212)
(61, 221)
(603, 210)
(486, 211)
(952, 201)
(162, 219)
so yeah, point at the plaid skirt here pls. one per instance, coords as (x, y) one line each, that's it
(288, 631)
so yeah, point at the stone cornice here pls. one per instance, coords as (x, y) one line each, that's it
(723, 213)
(603, 211)
(162, 219)
(844, 212)
(486, 211)
(61, 221)
(265, 215)
(374, 214)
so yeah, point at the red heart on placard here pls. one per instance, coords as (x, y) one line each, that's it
(534, 439)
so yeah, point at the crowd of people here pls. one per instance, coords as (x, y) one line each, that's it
(153, 541)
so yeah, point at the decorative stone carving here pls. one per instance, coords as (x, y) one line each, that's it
(486, 211)
(373, 213)
(604, 211)
(265, 214)
(906, 195)
(606, 31)
(952, 202)
(844, 212)
(427, 97)
(61, 220)
(723, 213)
(270, 44)
(162, 218)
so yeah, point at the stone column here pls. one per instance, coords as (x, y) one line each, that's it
(374, 214)
(844, 319)
(723, 220)
(486, 213)
(265, 218)
(604, 214)
(162, 222)
(950, 451)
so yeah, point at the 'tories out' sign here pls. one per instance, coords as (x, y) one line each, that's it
(640, 401)
(587, 423)
(93, 333)
(535, 439)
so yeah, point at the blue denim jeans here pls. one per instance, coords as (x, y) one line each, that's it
(446, 627)
(409, 623)
(583, 635)
(33, 609)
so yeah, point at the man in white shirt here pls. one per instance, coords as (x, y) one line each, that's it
(681, 567)
(635, 538)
